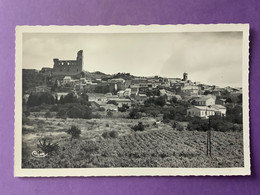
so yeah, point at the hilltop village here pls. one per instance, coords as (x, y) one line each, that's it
(123, 91)
(74, 119)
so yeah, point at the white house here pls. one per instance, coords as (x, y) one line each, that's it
(206, 111)
(205, 101)
(162, 92)
(112, 97)
(110, 107)
(190, 90)
(219, 109)
(42, 89)
(59, 94)
(169, 95)
(97, 97)
(82, 80)
(120, 94)
(141, 97)
(200, 111)
(67, 79)
(134, 89)
(121, 102)
(127, 92)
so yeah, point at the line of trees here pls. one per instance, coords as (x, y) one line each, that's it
(38, 99)
(48, 98)
(216, 123)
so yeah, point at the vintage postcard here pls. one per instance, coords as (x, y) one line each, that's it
(148, 100)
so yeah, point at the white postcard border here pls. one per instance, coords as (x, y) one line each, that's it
(55, 172)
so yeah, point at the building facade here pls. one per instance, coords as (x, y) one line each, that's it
(206, 111)
(68, 67)
(205, 101)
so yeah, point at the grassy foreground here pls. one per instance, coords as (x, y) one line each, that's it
(156, 146)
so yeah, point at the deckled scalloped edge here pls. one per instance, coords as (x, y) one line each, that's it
(19, 172)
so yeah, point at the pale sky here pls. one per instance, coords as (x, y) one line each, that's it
(210, 58)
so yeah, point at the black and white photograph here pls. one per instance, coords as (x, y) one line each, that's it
(132, 100)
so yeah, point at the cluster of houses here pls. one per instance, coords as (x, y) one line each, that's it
(205, 106)
(136, 90)
(103, 101)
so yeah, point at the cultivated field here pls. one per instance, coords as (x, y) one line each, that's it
(156, 146)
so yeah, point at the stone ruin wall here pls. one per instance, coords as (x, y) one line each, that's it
(68, 67)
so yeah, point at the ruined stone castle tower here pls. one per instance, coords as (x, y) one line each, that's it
(68, 67)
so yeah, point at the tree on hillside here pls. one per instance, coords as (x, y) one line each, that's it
(84, 99)
(235, 114)
(109, 114)
(174, 100)
(82, 74)
(160, 101)
(46, 98)
(134, 114)
(88, 113)
(74, 132)
(33, 100)
(61, 101)
(125, 76)
(38, 99)
(70, 98)
(229, 100)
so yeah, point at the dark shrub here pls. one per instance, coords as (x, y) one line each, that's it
(216, 122)
(113, 134)
(234, 114)
(87, 114)
(226, 126)
(46, 98)
(105, 135)
(109, 114)
(33, 100)
(139, 127)
(110, 134)
(199, 124)
(134, 114)
(112, 102)
(180, 127)
(177, 113)
(102, 109)
(74, 132)
(47, 146)
(122, 109)
(70, 98)
(160, 101)
(75, 112)
(38, 99)
(174, 126)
